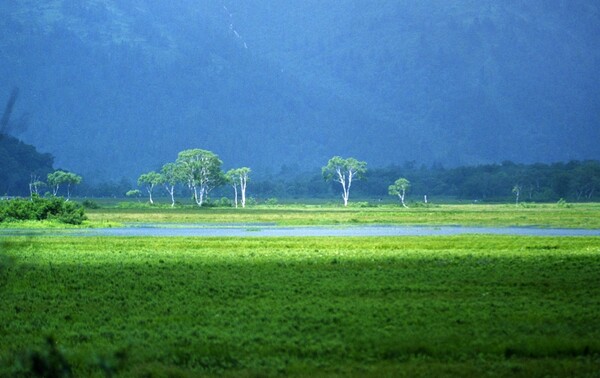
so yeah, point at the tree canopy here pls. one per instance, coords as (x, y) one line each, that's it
(202, 172)
(344, 171)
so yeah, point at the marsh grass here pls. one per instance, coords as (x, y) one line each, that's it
(548, 215)
(429, 306)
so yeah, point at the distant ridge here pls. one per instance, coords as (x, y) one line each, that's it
(115, 88)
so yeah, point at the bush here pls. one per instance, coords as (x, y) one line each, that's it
(223, 202)
(271, 201)
(89, 204)
(360, 204)
(562, 203)
(38, 208)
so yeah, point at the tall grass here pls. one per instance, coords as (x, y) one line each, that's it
(463, 305)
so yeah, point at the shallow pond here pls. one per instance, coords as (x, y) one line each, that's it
(270, 230)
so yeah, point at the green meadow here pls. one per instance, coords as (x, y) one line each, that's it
(383, 306)
(580, 215)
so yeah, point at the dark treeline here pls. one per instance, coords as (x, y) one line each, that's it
(574, 181)
(20, 164)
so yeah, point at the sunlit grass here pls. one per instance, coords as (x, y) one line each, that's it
(462, 305)
(550, 215)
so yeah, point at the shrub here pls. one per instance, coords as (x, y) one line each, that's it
(223, 202)
(89, 204)
(271, 201)
(360, 204)
(38, 208)
(562, 203)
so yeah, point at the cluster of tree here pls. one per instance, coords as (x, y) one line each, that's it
(199, 170)
(39, 208)
(574, 181)
(54, 181)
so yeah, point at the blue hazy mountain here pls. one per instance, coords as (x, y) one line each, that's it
(116, 88)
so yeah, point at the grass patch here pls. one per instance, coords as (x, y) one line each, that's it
(412, 306)
(548, 215)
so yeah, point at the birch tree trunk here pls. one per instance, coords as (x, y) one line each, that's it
(171, 190)
(243, 182)
(235, 195)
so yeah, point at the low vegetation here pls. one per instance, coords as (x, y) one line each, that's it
(546, 215)
(412, 306)
(39, 209)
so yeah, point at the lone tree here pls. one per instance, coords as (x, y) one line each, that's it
(202, 172)
(239, 177)
(171, 174)
(399, 188)
(517, 191)
(149, 181)
(344, 171)
(58, 178)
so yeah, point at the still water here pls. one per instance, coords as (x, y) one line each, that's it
(269, 230)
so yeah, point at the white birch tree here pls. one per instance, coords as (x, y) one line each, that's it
(149, 181)
(239, 177)
(172, 174)
(202, 171)
(517, 191)
(344, 171)
(399, 188)
(58, 178)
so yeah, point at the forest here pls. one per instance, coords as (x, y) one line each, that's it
(573, 181)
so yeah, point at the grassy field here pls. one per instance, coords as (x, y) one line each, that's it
(409, 306)
(550, 215)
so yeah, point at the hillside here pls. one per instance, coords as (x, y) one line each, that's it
(115, 88)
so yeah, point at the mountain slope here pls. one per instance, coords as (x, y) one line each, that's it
(116, 88)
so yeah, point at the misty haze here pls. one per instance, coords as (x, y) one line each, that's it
(112, 89)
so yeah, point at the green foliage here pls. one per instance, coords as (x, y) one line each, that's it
(151, 178)
(234, 176)
(38, 208)
(172, 174)
(489, 182)
(90, 204)
(133, 193)
(18, 162)
(49, 361)
(527, 205)
(58, 178)
(271, 201)
(202, 172)
(221, 202)
(344, 171)
(391, 306)
(562, 203)
(541, 215)
(361, 204)
(400, 186)
(338, 169)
